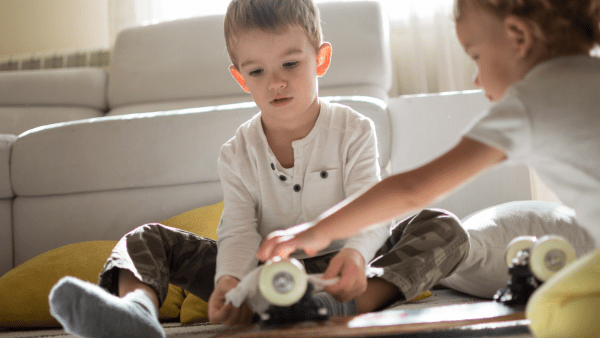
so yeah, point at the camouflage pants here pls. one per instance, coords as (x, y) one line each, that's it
(421, 250)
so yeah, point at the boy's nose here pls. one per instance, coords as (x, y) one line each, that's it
(276, 82)
(476, 78)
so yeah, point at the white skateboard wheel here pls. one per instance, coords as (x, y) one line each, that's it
(282, 282)
(518, 244)
(549, 255)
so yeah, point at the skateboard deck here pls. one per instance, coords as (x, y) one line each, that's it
(485, 318)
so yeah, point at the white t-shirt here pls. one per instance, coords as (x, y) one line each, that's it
(550, 121)
(335, 160)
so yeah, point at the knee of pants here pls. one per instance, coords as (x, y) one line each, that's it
(457, 235)
(453, 225)
(146, 228)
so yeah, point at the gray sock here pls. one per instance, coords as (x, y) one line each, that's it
(335, 308)
(87, 310)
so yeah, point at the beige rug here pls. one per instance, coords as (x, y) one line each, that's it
(205, 330)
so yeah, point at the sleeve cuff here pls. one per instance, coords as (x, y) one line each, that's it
(368, 242)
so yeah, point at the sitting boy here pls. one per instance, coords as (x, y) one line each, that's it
(295, 159)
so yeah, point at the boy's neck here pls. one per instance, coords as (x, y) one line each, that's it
(541, 56)
(280, 137)
(293, 130)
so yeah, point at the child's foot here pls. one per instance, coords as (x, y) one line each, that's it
(87, 310)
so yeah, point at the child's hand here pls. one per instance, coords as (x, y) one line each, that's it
(349, 264)
(283, 242)
(228, 314)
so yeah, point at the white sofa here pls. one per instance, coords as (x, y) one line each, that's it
(140, 143)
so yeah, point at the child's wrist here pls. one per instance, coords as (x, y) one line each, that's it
(227, 278)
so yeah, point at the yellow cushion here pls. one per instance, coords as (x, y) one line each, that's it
(568, 304)
(193, 310)
(424, 295)
(24, 290)
(201, 221)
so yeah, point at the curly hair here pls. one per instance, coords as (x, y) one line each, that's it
(562, 25)
(271, 16)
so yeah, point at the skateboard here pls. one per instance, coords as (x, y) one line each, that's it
(475, 319)
(531, 262)
(283, 284)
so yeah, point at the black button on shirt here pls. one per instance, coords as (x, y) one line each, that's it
(297, 187)
(324, 174)
(283, 178)
(272, 166)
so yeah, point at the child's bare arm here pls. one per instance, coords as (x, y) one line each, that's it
(395, 196)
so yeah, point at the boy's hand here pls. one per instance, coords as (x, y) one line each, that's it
(283, 242)
(349, 264)
(228, 314)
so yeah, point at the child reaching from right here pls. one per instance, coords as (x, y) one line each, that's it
(534, 63)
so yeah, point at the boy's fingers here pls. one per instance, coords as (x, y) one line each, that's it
(274, 246)
(333, 269)
(265, 250)
(220, 315)
(284, 250)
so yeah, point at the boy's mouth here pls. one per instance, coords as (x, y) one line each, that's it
(282, 101)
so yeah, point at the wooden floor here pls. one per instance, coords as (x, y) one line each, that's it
(175, 330)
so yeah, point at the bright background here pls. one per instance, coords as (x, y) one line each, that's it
(426, 55)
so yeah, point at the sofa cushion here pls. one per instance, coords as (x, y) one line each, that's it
(166, 62)
(65, 87)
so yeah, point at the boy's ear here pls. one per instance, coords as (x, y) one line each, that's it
(519, 33)
(239, 78)
(324, 58)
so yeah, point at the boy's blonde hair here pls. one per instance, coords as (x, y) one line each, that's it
(274, 16)
(564, 26)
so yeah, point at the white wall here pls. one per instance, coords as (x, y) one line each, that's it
(29, 26)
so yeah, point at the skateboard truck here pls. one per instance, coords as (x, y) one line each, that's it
(531, 262)
(284, 284)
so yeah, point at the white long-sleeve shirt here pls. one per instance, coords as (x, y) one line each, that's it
(335, 160)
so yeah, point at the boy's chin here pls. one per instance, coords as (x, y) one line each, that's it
(492, 97)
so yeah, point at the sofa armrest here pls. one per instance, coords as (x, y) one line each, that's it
(426, 126)
(124, 152)
(6, 144)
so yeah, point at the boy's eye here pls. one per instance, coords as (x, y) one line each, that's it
(291, 64)
(255, 72)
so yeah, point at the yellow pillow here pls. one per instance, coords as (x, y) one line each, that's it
(24, 290)
(193, 310)
(202, 221)
(567, 304)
